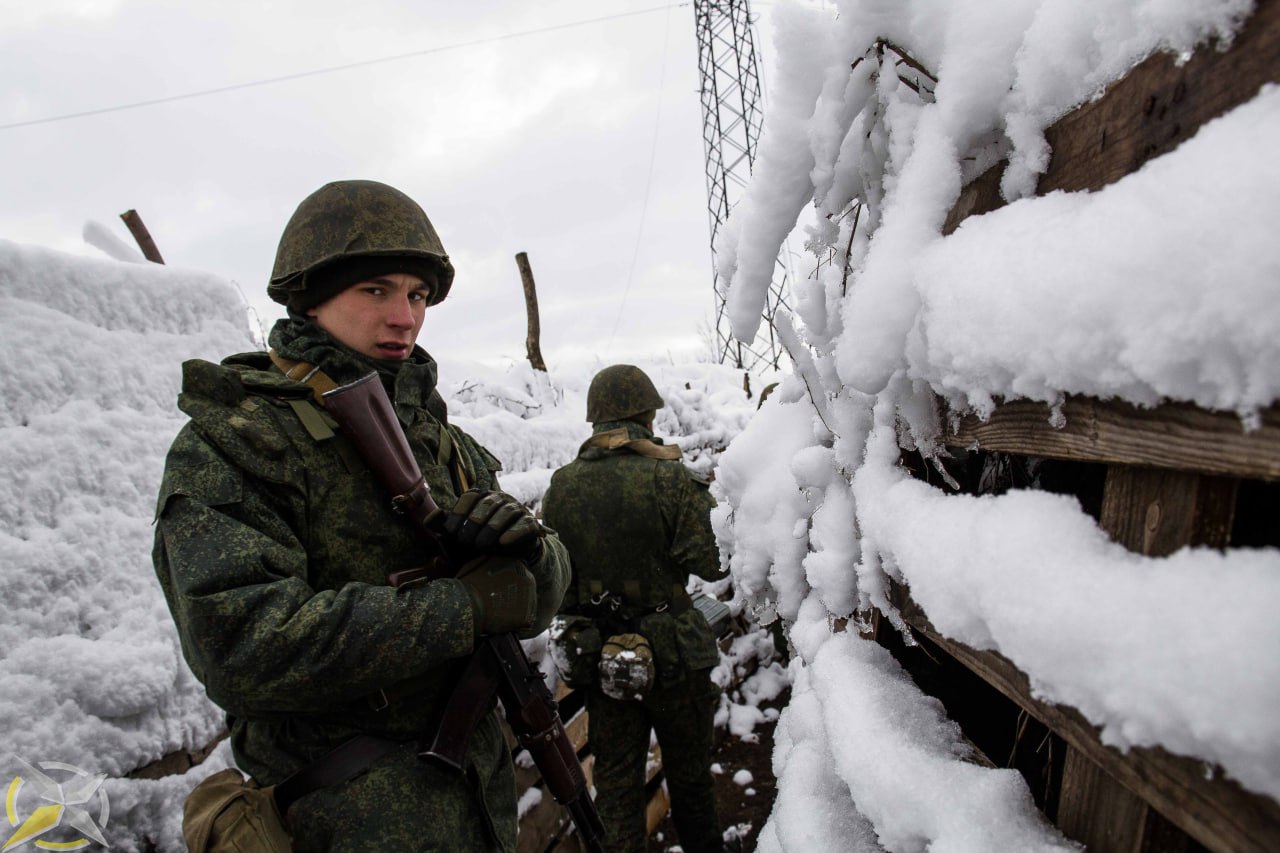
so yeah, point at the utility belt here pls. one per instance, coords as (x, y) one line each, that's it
(339, 765)
(626, 649)
(612, 609)
(227, 813)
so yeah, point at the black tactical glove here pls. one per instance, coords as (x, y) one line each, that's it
(502, 595)
(484, 522)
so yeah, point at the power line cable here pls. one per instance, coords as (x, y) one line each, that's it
(332, 69)
(644, 205)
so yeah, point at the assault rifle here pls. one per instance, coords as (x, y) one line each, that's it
(498, 666)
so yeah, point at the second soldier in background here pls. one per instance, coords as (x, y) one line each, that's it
(637, 523)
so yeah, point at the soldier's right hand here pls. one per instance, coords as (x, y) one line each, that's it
(503, 594)
(487, 522)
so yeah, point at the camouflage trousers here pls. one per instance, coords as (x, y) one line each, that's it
(405, 803)
(682, 716)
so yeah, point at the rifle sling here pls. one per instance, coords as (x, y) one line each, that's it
(339, 765)
(305, 372)
(321, 382)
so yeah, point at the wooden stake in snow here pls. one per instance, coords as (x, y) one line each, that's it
(533, 341)
(142, 235)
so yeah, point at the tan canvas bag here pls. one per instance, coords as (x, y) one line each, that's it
(226, 813)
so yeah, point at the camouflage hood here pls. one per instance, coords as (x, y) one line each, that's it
(410, 383)
(611, 436)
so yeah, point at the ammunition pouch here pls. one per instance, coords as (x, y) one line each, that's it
(627, 670)
(575, 649)
(679, 638)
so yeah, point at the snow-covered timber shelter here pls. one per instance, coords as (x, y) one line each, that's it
(1155, 479)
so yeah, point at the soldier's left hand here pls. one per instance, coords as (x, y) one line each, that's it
(486, 522)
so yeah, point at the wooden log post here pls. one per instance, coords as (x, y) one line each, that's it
(533, 343)
(1152, 512)
(142, 236)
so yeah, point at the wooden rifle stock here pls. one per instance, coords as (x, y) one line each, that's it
(498, 666)
(363, 411)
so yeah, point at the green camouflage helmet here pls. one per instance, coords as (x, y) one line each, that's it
(355, 219)
(620, 392)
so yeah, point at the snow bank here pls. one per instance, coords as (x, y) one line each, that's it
(91, 673)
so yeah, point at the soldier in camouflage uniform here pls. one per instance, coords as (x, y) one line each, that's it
(637, 524)
(274, 541)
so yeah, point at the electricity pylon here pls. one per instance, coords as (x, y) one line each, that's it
(730, 132)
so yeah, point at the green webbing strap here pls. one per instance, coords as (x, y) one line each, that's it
(311, 412)
(312, 419)
(446, 447)
(448, 453)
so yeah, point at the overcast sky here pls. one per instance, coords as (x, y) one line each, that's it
(569, 129)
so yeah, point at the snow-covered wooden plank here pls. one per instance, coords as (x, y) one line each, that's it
(1149, 112)
(1215, 811)
(1176, 436)
(1160, 104)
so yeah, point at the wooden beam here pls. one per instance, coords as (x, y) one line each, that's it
(1155, 512)
(1217, 812)
(1174, 435)
(548, 826)
(176, 762)
(657, 808)
(1107, 817)
(1096, 811)
(577, 728)
(1160, 104)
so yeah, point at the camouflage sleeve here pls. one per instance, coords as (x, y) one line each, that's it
(552, 571)
(687, 505)
(254, 632)
(550, 505)
(479, 465)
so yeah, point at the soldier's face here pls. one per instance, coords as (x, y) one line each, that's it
(380, 317)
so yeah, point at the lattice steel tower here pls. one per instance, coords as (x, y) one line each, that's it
(730, 131)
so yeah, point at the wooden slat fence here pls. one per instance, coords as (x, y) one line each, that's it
(1156, 479)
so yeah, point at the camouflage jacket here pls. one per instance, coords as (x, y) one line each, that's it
(273, 542)
(637, 525)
